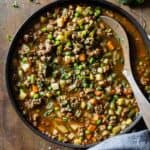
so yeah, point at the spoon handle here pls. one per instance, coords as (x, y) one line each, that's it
(143, 104)
(127, 71)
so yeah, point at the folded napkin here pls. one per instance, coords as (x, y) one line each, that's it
(131, 141)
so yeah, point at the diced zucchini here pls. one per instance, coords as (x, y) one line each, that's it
(22, 94)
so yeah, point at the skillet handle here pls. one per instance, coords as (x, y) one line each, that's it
(143, 104)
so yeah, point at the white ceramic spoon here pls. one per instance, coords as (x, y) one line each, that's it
(142, 102)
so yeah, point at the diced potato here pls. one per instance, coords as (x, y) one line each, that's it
(67, 59)
(55, 86)
(100, 70)
(91, 76)
(71, 136)
(62, 83)
(98, 77)
(77, 141)
(25, 66)
(61, 128)
(121, 101)
(74, 126)
(128, 121)
(79, 9)
(60, 22)
(116, 130)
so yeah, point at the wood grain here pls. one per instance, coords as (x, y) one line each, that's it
(14, 135)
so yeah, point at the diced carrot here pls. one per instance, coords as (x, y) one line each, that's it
(35, 88)
(42, 129)
(82, 57)
(95, 116)
(110, 45)
(102, 116)
(98, 93)
(93, 101)
(47, 123)
(127, 91)
(89, 136)
(91, 128)
(93, 139)
(113, 92)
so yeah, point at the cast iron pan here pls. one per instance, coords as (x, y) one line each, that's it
(23, 28)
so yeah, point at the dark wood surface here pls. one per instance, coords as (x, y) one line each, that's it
(14, 135)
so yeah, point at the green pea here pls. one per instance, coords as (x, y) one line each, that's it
(79, 9)
(80, 67)
(24, 60)
(68, 44)
(87, 132)
(58, 93)
(112, 105)
(50, 36)
(81, 27)
(85, 85)
(57, 42)
(35, 96)
(77, 14)
(54, 15)
(97, 12)
(115, 97)
(98, 122)
(84, 33)
(109, 127)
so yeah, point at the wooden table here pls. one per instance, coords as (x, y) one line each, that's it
(14, 135)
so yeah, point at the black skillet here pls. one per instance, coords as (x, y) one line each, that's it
(23, 28)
